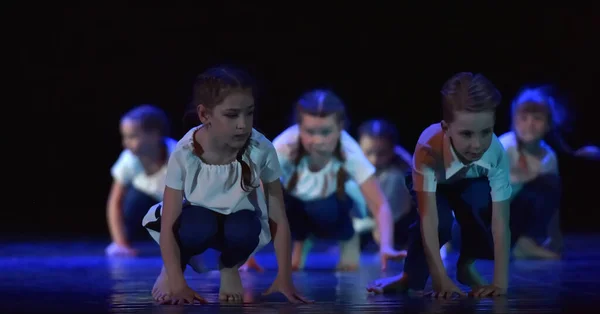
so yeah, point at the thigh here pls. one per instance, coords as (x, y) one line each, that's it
(241, 225)
(196, 227)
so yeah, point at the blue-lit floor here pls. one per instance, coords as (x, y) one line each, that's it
(62, 277)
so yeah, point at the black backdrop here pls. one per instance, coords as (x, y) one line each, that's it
(85, 67)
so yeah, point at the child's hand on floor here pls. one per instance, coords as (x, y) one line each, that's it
(487, 291)
(115, 249)
(286, 287)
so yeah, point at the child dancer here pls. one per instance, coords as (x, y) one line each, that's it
(459, 165)
(218, 167)
(379, 142)
(534, 172)
(318, 158)
(138, 175)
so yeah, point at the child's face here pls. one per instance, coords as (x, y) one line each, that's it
(319, 136)
(471, 133)
(379, 151)
(232, 120)
(530, 126)
(135, 139)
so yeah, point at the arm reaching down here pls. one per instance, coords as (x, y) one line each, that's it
(283, 283)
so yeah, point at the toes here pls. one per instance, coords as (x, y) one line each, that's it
(234, 297)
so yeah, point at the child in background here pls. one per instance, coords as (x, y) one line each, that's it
(138, 176)
(534, 172)
(459, 166)
(212, 197)
(319, 159)
(379, 141)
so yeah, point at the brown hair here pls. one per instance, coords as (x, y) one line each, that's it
(150, 117)
(321, 103)
(210, 89)
(468, 92)
(384, 129)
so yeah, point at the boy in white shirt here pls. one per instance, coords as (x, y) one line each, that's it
(459, 166)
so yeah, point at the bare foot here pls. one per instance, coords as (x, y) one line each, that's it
(251, 263)
(467, 274)
(526, 248)
(161, 290)
(231, 285)
(389, 284)
(349, 254)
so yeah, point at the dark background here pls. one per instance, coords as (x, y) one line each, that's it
(83, 68)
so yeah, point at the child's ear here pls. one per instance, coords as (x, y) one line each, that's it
(203, 113)
(444, 126)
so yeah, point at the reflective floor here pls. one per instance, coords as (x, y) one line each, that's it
(61, 277)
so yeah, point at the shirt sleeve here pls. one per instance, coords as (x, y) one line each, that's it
(499, 178)
(270, 168)
(123, 171)
(423, 169)
(175, 171)
(359, 167)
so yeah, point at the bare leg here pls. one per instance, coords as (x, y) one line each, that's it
(161, 290)
(349, 254)
(231, 285)
(297, 255)
(467, 274)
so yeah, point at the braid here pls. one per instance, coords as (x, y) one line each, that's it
(247, 175)
(342, 175)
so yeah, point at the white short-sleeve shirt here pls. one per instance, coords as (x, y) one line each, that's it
(218, 187)
(128, 170)
(547, 164)
(435, 162)
(313, 185)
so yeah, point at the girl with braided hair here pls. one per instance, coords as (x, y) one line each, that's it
(319, 160)
(212, 197)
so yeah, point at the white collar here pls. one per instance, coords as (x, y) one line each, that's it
(452, 163)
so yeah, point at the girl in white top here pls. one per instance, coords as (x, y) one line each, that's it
(138, 175)
(318, 158)
(212, 199)
(534, 172)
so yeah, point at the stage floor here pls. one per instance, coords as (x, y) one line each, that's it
(63, 277)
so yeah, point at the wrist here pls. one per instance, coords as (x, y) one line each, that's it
(502, 284)
(121, 242)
